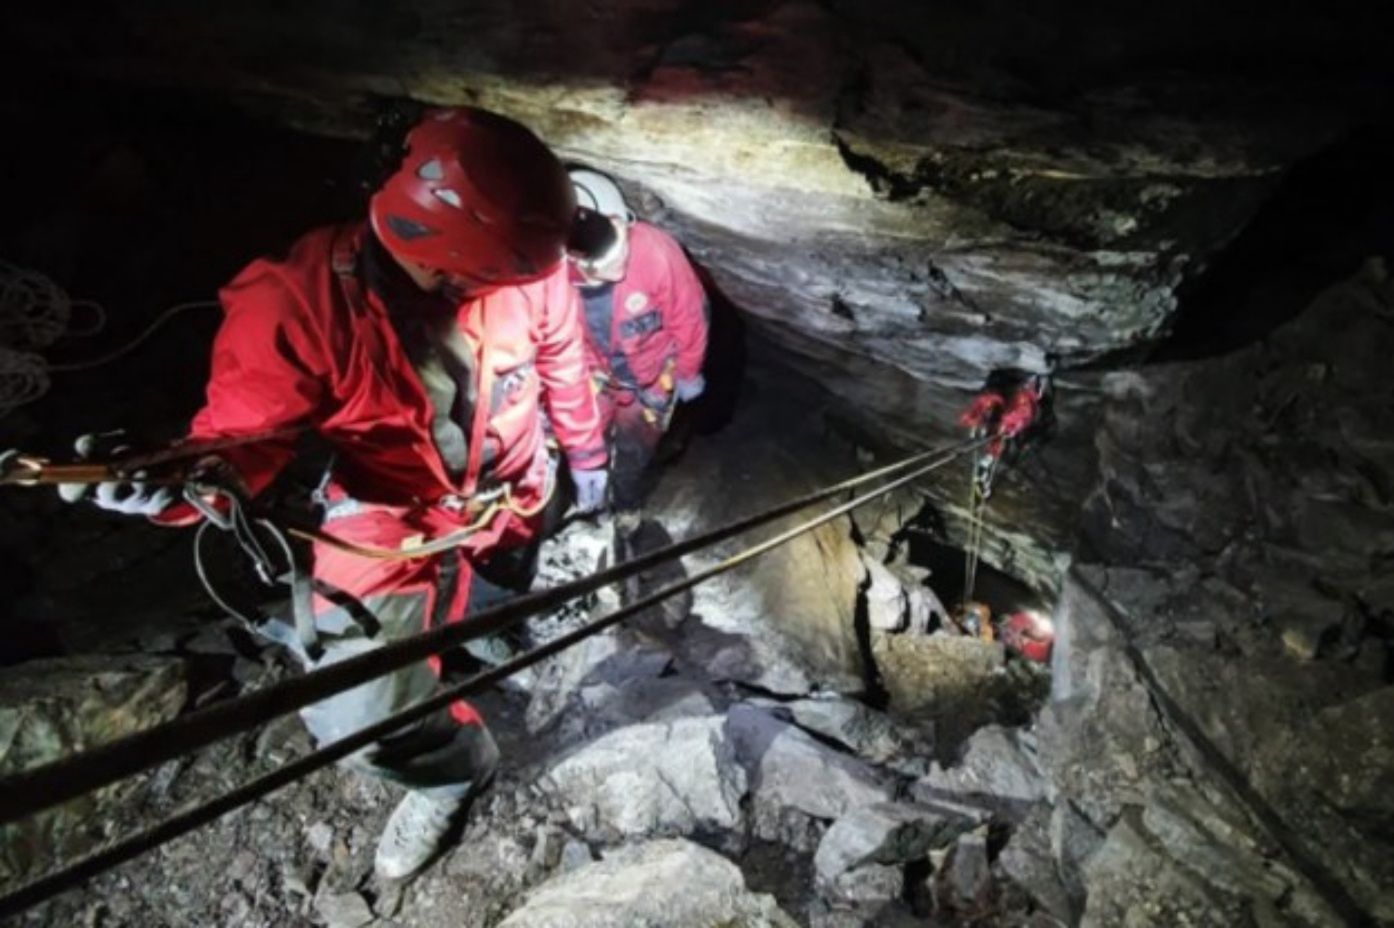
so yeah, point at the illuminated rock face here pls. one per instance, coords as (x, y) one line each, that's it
(901, 197)
(937, 192)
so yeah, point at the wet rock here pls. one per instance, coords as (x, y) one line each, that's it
(659, 884)
(344, 910)
(56, 707)
(886, 835)
(997, 767)
(668, 778)
(791, 772)
(871, 735)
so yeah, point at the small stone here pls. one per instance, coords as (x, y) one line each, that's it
(574, 854)
(320, 836)
(344, 910)
(1305, 636)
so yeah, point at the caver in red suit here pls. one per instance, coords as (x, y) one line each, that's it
(424, 346)
(646, 328)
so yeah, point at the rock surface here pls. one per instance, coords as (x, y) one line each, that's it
(659, 884)
(55, 707)
(1239, 501)
(886, 834)
(997, 766)
(662, 778)
(791, 773)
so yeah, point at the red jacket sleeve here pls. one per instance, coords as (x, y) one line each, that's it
(268, 373)
(685, 310)
(565, 377)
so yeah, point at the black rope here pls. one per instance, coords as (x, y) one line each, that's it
(190, 818)
(38, 788)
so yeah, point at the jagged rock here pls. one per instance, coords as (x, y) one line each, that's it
(955, 680)
(892, 605)
(997, 767)
(1130, 881)
(964, 881)
(886, 835)
(55, 707)
(868, 883)
(790, 772)
(784, 623)
(606, 659)
(344, 910)
(871, 735)
(659, 884)
(1029, 862)
(887, 605)
(664, 778)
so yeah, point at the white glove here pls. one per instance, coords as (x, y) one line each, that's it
(689, 390)
(128, 497)
(590, 488)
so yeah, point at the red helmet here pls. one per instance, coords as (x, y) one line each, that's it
(478, 196)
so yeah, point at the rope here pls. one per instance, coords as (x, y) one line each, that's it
(38, 788)
(136, 342)
(192, 817)
(34, 314)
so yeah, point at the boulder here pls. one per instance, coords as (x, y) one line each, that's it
(997, 767)
(609, 658)
(957, 681)
(659, 778)
(884, 834)
(868, 733)
(658, 884)
(790, 772)
(52, 708)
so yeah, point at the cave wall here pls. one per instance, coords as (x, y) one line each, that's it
(900, 198)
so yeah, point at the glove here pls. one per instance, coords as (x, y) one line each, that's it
(132, 498)
(689, 390)
(590, 488)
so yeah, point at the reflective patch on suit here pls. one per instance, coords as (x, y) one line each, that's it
(508, 384)
(635, 302)
(641, 325)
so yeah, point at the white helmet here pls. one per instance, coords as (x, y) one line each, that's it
(597, 192)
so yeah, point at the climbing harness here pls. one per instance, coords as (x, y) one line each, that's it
(41, 787)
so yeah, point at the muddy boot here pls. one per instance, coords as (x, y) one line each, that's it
(414, 834)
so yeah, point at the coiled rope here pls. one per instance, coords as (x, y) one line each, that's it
(35, 313)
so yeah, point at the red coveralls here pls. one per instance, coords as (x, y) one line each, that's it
(644, 334)
(306, 343)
